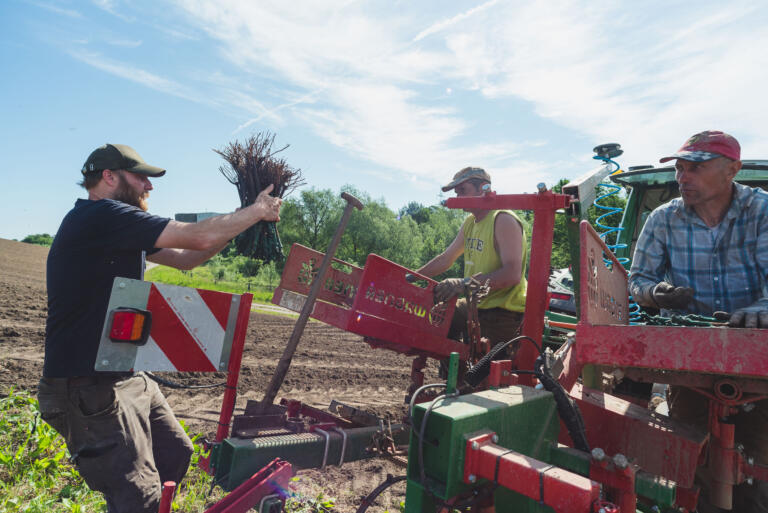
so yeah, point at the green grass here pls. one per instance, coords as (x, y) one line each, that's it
(203, 278)
(36, 475)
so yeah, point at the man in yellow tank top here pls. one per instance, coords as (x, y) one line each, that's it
(494, 249)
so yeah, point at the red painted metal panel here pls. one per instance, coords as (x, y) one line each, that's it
(404, 339)
(729, 351)
(385, 293)
(301, 268)
(172, 336)
(603, 290)
(657, 444)
(219, 303)
(272, 479)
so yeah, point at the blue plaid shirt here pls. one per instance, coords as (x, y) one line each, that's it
(726, 266)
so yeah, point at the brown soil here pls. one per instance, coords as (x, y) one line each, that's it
(329, 364)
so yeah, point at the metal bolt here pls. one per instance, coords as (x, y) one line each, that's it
(598, 454)
(740, 447)
(472, 478)
(475, 446)
(747, 407)
(620, 461)
(495, 439)
(750, 480)
(750, 461)
(105, 362)
(121, 284)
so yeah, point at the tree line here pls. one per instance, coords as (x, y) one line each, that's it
(410, 236)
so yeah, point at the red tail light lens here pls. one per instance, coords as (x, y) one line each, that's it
(130, 325)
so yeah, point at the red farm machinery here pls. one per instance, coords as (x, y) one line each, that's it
(542, 433)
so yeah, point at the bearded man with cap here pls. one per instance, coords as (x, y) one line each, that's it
(707, 251)
(494, 249)
(119, 429)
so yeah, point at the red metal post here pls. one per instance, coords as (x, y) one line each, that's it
(560, 489)
(233, 370)
(723, 457)
(166, 499)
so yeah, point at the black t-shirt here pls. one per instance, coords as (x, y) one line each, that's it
(97, 241)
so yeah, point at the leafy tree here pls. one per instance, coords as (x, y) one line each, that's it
(41, 239)
(310, 220)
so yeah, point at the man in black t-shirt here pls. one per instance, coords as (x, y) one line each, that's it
(119, 429)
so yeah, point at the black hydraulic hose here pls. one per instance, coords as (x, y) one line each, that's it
(368, 499)
(482, 368)
(566, 407)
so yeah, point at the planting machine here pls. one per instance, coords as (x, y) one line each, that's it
(542, 433)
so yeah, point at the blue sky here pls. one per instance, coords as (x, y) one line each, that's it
(391, 97)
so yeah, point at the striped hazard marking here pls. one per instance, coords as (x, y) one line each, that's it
(188, 329)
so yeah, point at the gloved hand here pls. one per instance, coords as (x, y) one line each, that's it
(449, 288)
(669, 297)
(754, 316)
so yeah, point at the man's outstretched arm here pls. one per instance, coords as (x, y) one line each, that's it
(187, 245)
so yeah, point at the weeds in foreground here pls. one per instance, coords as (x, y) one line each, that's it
(36, 475)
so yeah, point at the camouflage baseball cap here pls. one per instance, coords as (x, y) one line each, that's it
(707, 145)
(119, 156)
(468, 173)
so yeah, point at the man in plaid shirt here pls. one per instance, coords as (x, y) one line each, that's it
(708, 250)
(704, 252)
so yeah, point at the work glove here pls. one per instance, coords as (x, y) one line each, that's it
(449, 288)
(754, 316)
(669, 297)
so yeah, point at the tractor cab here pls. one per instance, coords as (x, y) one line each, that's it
(650, 187)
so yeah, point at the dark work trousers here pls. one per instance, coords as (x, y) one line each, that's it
(751, 431)
(496, 324)
(121, 434)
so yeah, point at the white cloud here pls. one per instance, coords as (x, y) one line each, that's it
(646, 75)
(126, 43)
(71, 13)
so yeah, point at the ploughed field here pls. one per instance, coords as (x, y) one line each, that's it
(329, 364)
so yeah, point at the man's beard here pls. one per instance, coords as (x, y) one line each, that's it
(127, 195)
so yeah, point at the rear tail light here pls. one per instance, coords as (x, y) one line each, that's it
(130, 325)
(562, 297)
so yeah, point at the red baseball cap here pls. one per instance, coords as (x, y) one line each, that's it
(708, 145)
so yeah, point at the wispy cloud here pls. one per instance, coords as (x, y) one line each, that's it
(444, 24)
(134, 74)
(125, 43)
(71, 13)
(360, 80)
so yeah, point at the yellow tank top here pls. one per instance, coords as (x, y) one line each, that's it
(480, 256)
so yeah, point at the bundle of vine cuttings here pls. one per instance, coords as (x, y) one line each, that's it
(252, 167)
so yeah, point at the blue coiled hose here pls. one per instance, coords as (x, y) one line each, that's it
(613, 189)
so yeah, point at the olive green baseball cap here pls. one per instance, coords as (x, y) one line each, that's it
(119, 156)
(468, 173)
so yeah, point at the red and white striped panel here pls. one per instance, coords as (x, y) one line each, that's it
(192, 329)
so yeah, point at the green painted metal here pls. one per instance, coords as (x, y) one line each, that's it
(453, 373)
(237, 459)
(524, 419)
(656, 489)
